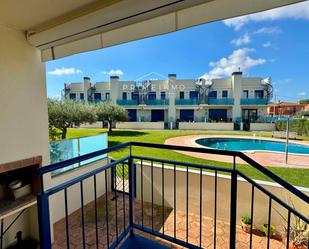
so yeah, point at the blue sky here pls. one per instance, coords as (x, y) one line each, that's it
(272, 44)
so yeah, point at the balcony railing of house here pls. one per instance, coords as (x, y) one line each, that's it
(192, 101)
(127, 102)
(253, 101)
(96, 101)
(157, 196)
(157, 102)
(223, 101)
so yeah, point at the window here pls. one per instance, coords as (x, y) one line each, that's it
(124, 96)
(258, 94)
(81, 96)
(163, 95)
(73, 96)
(152, 95)
(134, 95)
(97, 96)
(107, 96)
(181, 95)
(193, 94)
(212, 95)
(245, 94)
(224, 94)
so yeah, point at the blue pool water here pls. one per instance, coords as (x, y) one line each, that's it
(243, 144)
(70, 148)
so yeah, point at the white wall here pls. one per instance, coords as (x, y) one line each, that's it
(223, 194)
(206, 126)
(23, 112)
(57, 210)
(262, 127)
(140, 125)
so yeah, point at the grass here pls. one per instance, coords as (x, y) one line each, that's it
(299, 177)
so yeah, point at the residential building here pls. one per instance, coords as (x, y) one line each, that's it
(285, 109)
(183, 100)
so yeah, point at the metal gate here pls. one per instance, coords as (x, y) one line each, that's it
(120, 178)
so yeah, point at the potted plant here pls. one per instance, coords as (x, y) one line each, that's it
(299, 234)
(246, 223)
(299, 231)
(265, 228)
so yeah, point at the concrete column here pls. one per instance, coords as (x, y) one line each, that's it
(114, 88)
(171, 96)
(87, 85)
(237, 94)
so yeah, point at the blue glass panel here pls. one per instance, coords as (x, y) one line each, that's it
(67, 149)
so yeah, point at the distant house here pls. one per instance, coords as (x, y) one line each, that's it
(286, 108)
(187, 100)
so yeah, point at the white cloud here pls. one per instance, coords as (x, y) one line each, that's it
(302, 94)
(65, 71)
(237, 59)
(245, 39)
(267, 44)
(295, 11)
(268, 30)
(113, 72)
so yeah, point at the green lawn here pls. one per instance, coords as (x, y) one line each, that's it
(299, 177)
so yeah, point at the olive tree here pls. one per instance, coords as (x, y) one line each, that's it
(63, 114)
(110, 113)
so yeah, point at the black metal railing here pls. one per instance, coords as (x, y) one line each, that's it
(132, 182)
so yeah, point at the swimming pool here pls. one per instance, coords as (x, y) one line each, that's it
(247, 144)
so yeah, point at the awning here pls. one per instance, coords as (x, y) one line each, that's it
(130, 20)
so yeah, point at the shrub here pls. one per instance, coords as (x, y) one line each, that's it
(300, 126)
(246, 219)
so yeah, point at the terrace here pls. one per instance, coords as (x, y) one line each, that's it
(159, 203)
(75, 209)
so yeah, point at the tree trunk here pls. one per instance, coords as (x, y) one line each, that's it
(110, 125)
(64, 133)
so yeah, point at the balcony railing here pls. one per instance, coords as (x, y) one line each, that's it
(253, 101)
(153, 196)
(186, 101)
(157, 102)
(127, 102)
(223, 101)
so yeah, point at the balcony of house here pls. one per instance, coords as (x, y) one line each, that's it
(191, 101)
(253, 101)
(222, 101)
(162, 203)
(157, 102)
(127, 102)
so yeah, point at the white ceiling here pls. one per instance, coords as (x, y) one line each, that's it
(25, 14)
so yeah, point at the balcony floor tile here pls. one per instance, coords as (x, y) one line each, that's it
(75, 227)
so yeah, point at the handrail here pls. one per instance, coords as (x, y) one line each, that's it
(274, 177)
(239, 154)
(43, 170)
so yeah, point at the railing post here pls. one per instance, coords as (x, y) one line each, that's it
(233, 209)
(131, 193)
(44, 221)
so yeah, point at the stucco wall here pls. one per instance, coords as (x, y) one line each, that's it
(262, 127)
(206, 126)
(223, 194)
(57, 210)
(140, 125)
(23, 113)
(96, 125)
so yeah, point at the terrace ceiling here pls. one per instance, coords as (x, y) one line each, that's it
(65, 27)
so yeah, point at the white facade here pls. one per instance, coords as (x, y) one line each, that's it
(175, 100)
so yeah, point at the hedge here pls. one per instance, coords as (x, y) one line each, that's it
(301, 126)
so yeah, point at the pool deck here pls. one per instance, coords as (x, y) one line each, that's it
(265, 158)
